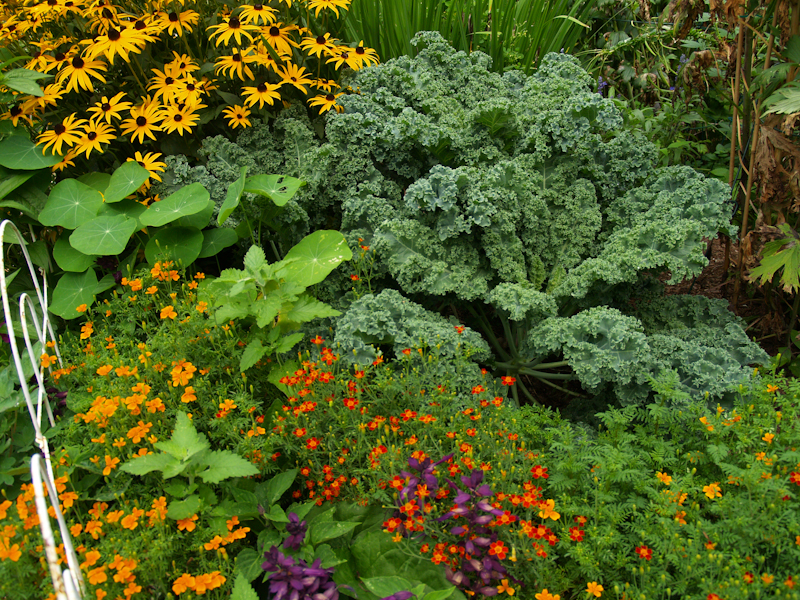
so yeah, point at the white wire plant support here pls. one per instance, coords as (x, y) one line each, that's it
(69, 584)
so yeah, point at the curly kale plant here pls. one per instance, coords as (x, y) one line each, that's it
(520, 206)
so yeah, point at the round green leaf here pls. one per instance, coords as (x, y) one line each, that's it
(95, 180)
(103, 236)
(188, 200)
(129, 208)
(128, 178)
(70, 259)
(200, 219)
(319, 253)
(278, 188)
(19, 152)
(72, 290)
(216, 240)
(70, 205)
(179, 244)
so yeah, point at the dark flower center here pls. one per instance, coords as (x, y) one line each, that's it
(190, 87)
(321, 39)
(60, 56)
(182, 66)
(77, 62)
(261, 88)
(178, 117)
(236, 57)
(258, 6)
(139, 25)
(107, 14)
(69, 4)
(105, 107)
(91, 135)
(234, 23)
(113, 35)
(141, 164)
(15, 111)
(12, 27)
(345, 55)
(274, 31)
(239, 116)
(173, 16)
(52, 2)
(330, 98)
(293, 78)
(59, 129)
(141, 121)
(360, 50)
(37, 55)
(169, 81)
(181, 106)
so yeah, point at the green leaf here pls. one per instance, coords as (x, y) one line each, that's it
(180, 244)
(440, 594)
(277, 515)
(248, 564)
(129, 208)
(216, 240)
(278, 372)
(128, 178)
(278, 188)
(232, 197)
(252, 354)
(103, 236)
(25, 85)
(188, 200)
(386, 586)
(306, 309)
(148, 463)
(242, 590)
(70, 259)
(106, 283)
(286, 343)
(792, 49)
(96, 181)
(183, 509)
(329, 530)
(224, 464)
(317, 255)
(278, 485)
(70, 205)
(200, 219)
(254, 260)
(19, 152)
(72, 290)
(9, 180)
(780, 254)
(185, 441)
(327, 556)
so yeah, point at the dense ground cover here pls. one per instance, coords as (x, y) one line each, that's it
(304, 356)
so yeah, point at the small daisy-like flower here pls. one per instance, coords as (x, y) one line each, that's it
(120, 42)
(365, 56)
(594, 588)
(150, 162)
(110, 109)
(296, 76)
(232, 28)
(278, 38)
(168, 312)
(326, 102)
(178, 22)
(344, 55)
(237, 116)
(316, 46)
(262, 93)
(334, 5)
(177, 119)
(236, 64)
(96, 133)
(144, 121)
(68, 133)
(79, 72)
(644, 552)
(257, 14)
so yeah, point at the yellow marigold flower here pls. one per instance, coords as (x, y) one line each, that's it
(188, 523)
(168, 312)
(594, 588)
(545, 595)
(104, 370)
(504, 587)
(87, 330)
(202, 306)
(712, 491)
(81, 308)
(188, 395)
(111, 463)
(183, 583)
(664, 478)
(97, 576)
(768, 437)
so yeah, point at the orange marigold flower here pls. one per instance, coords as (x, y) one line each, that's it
(168, 312)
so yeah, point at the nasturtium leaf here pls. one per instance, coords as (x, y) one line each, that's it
(179, 244)
(128, 207)
(224, 464)
(278, 188)
(72, 290)
(318, 254)
(188, 200)
(183, 509)
(329, 530)
(106, 283)
(232, 198)
(128, 178)
(70, 259)
(104, 236)
(96, 181)
(9, 180)
(30, 198)
(70, 205)
(216, 240)
(200, 219)
(19, 152)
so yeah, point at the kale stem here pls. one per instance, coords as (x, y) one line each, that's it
(512, 346)
(487, 330)
(544, 375)
(558, 387)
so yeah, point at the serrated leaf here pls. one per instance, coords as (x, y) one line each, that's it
(252, 354)
(278, 188)
(266, 309)
(248, 564)
(19, 152)
(232, 197)
(70, 204)
(306, 309)
(792, 49)
(148, 463)
(179, 244)
(224, 464)
(70, 259)
(286, 343)
(185, 441)
(72, 290)
(329, 530)
(216, 240)
(787, 261)
(316, 256)
(128, 178)
(254, 259)
(183, 509)
(276, 486)
(387, 586)
(188, 200)
(242, 590)
(104, 236)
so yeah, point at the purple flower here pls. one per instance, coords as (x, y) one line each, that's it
(294, 579)
(399, 596)
(297, 532)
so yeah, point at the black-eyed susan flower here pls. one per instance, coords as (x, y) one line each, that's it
(278, 38)
(189, 92)
(144, 121)
(262, 93)
(150, 162)
(334, 5)
(178, 118)
(102, 15)
(68, 160)
(181, 65)
(344, 55)
(326, 85)
(326, 102)
(235, 63)
(316, 46)
(19, 112)
(96, 133)
(78, 73)
(107, 110)
(58, 60)
(296, 76)
(232, 28)
(257, 14)
(237, 116)
(176, 23)
(365, 56)
(163, 85)
(67, 133)
(120, 42)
